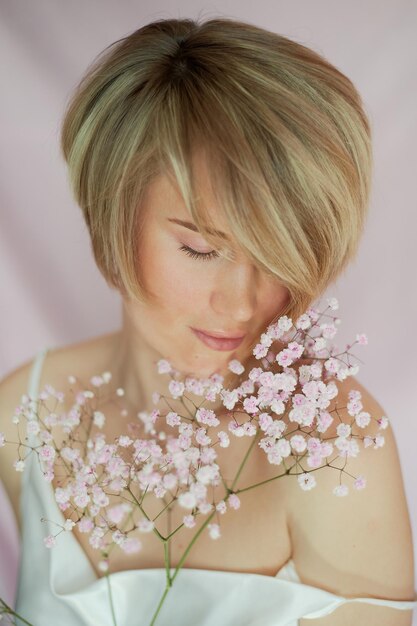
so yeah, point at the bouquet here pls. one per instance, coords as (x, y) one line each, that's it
(170, 452)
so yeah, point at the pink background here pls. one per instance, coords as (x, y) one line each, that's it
(52, 293)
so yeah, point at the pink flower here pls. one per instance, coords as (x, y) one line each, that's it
(82, 499)
(333, 303)
(187, 500)
(125, 441)
(303, 322)
(341, 490)
(229, 398)
(103, 565)
(207, 416)
(362, 419)
(223, 438)
(362, 339)
(164, 367)
(176, 388)
(379, 441)
(47, 453)
(96, 381)
(221, 507)
(116, 513)
(96, 538)
(99, 419)
(173, 419)
(69, 524)
(205, 507)
(236, 429)
(19, 465)
(328, 330)
(298, 443)
(354, 407)
(265, 420)
(260, 351)
(250, 405)
(146, 525)
(131, 545)
(383, 422)
(85, 525)
(214, 531)
(234, 501)
(236, 366)
(189, 521)
(49, 541)
(306, 481)
(360, 482)
(285, 358)
(201, 437)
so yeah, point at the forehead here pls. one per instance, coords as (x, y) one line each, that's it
(164, 195)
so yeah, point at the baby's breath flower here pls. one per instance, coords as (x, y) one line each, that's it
(49, 541)
(69, 524)
(180, 464)
(19, 465)
(214, 531)
(236, 366)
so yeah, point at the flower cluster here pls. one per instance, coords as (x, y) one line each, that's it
(285, 407)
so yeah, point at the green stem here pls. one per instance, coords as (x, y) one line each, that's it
(9, 611)
(170, 579)
(113, 614)
(242, 465)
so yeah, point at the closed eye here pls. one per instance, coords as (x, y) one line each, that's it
(203, 256)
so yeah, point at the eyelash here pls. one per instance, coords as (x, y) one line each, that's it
(202, 256)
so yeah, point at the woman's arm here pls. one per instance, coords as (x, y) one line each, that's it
(359, 544)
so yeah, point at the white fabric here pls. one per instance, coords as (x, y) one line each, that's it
(59, 586)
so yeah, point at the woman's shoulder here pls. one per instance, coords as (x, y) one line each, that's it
(59, 360)
(80, 358)
(369, 528)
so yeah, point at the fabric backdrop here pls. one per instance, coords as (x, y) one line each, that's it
(51, 292)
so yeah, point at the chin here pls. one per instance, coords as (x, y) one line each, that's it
(201, 367)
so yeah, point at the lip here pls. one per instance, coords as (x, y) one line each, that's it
(217, 343)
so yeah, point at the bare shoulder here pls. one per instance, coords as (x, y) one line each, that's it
(359, 544)
(78, 358)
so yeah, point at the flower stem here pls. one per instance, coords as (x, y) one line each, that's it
(5, 609)
(113, 614)
(170, 579)
(242, 465)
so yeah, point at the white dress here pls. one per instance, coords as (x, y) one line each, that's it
(58, 586)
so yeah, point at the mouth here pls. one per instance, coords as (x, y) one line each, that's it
(218, 342)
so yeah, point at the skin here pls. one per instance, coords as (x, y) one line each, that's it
(215, 294)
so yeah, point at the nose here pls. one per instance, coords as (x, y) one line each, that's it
(234, 296)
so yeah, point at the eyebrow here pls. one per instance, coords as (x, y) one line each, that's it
(193, 227)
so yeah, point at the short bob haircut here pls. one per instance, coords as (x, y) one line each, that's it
(285, 133)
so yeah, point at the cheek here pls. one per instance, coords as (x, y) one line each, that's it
(274, 301)
(178, 284)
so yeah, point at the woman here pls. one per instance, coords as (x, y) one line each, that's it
(224, 174)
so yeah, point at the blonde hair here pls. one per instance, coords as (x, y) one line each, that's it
(285, 133)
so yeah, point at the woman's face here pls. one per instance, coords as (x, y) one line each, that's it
(209, 294)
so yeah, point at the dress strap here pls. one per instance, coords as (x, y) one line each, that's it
(33, 393)
(35, 374)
